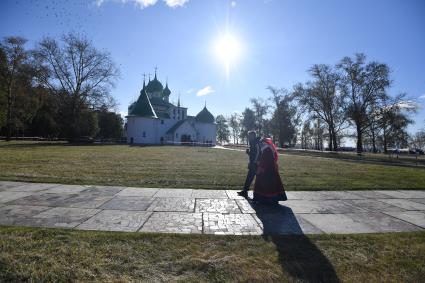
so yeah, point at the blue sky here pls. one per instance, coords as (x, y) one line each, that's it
(279, 40)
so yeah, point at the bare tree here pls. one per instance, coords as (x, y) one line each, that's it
(307, 136)
(322, 98)
(75, 70)
(417, 140)
(260, 108)
(223, 132)
(362, 85)
(285, 117)
(235, 122)
(15, 55)
(393, 120)
(247, 123)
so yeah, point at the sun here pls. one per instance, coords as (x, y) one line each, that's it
(228, 50)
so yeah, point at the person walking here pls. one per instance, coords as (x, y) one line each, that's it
(268, 186)
(253, 152)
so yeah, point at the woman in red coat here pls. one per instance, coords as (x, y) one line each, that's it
(268, 185)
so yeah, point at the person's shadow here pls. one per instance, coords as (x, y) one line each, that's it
(299, 257)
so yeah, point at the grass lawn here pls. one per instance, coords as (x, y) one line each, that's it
(52, 255)
(404, 159)
(189, 167)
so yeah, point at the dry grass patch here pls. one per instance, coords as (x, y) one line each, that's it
(189, 167)
(35, 254)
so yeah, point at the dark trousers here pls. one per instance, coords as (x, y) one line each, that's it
(249, 177)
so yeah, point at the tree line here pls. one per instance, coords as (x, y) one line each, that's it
(58, 89)
(349, 99)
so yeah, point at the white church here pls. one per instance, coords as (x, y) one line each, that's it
(152, 119)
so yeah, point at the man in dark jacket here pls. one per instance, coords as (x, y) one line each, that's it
(253, 153)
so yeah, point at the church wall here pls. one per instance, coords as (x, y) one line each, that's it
(163, 128)
(185, 129)
(207, 132)
(149, 131)
(142, 130)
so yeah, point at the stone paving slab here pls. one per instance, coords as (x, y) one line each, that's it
(419, 200)
(217, 206)
(7, 196)
(32, 187)
(138, 192)
(233, 194)
(174, 193)
(414, 217)
(209, 194)
(245, 206)
(280, 220)
(220, 212)
(372, 205)
(174, 222)
(64, 217)
(323, 195)
(404, 203)
(382, 223)
(175, 204)
(231, 224)
(10, 184)
(66, 189)
(321, 206)
(404, 194)
(116, 220)
(368, 222)
(338, 223)
(129, 203)
(102, 191)
(84, 201)
(47, 199)
(15, 214)
(370, 194)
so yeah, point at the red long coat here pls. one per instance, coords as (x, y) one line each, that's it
(268, 185)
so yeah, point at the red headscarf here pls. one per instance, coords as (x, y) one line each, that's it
(272, 145)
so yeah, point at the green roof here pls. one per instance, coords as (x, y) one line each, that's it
(166, 91)
(154, 86)
(163, 115)
(142, 107)
(160, 102)
(205, 116)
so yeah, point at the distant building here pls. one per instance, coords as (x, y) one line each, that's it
(152, 119)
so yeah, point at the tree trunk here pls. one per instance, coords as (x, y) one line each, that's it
(374, 142)
(372, 129)
(385, 141)
(359, 138)
(335, 142)
(9, 113)
(331, 144)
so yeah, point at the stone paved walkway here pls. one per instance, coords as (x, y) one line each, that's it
(208, 211)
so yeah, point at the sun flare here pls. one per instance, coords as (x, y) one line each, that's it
(228, 50)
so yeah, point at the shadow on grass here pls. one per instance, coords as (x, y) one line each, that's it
(298, 255)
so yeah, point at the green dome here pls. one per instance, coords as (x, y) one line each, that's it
(154, 86)
(166, 91)
(205, 116)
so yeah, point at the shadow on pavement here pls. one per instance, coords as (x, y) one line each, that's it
(298, 255)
